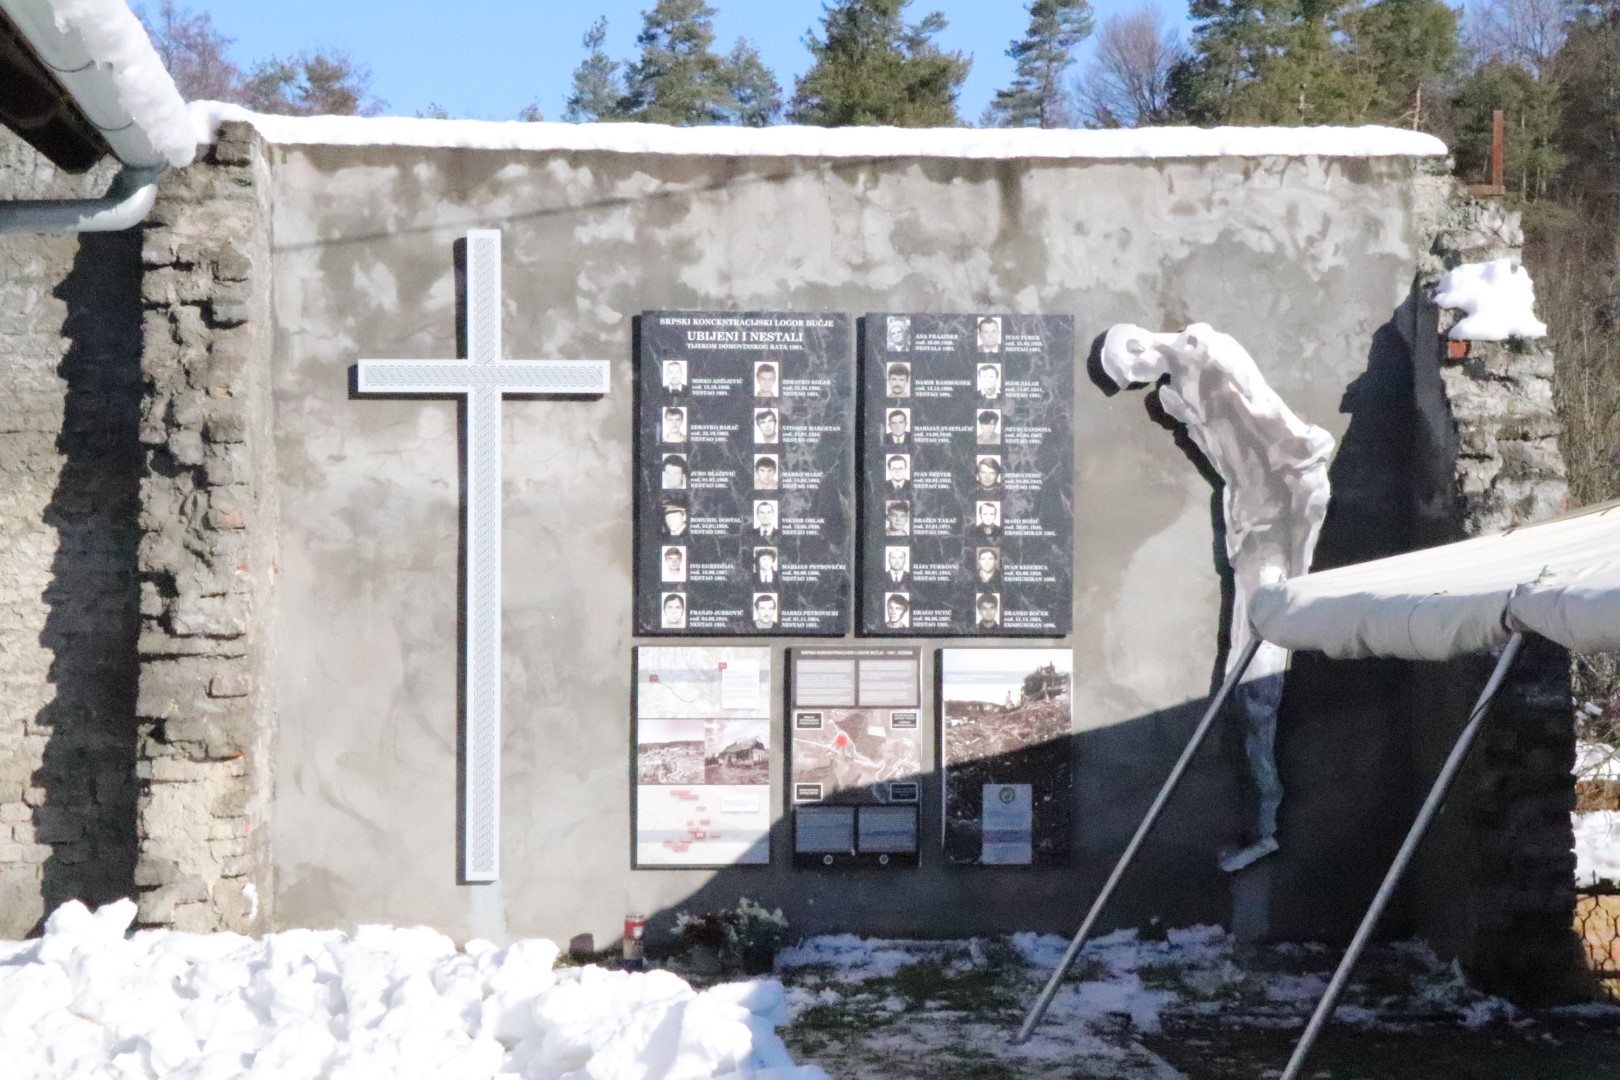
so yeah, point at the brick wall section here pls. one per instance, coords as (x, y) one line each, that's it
(1507, 915)
(206, 556)
(69, 473)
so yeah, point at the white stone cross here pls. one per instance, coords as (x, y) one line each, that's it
(483, 378)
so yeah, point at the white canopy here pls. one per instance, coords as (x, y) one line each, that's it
(1559, 578)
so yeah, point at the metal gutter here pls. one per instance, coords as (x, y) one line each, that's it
(99, 94)
(128, 200)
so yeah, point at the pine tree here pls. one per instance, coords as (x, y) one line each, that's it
(1531, 158)
(676, 79)
(1410, 50)
(1588, 72)
(1036, 97)
(597, 85)
(871, 67)
(755, 97)
(1274, 62)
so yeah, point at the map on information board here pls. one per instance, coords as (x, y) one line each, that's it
(703, 750)
(855, 729)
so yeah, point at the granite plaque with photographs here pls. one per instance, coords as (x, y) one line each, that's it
(703, 756)
(744, 515)
(855, 723)
(1006, 755)
(967, 475)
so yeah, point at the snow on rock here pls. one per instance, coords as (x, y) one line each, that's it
(87, 1000)
(116, 41)
(791, 141)
(1597, 846)
(1498, 300)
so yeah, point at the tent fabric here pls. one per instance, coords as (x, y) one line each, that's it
(1559, 578)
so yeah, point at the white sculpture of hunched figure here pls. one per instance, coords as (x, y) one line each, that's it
(1274, 466)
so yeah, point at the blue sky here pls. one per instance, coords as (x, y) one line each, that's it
(486, 59)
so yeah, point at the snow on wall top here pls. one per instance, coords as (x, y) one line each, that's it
(853, 142)
(117, 43)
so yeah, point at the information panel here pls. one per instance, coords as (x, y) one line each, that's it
(744, 472)
(968, 475)
(703, 756)
(855, 730)
(1008, 761)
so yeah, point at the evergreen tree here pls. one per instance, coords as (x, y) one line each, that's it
(1531, 158)
(1588, 70)
(1036, 97)
(597, 85)
(676, 79)
(1274, 62)
(755, 97)
(871, 67)
(1411, 51)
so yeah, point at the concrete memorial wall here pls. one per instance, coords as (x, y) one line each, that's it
(1306, 261)
(279, 558)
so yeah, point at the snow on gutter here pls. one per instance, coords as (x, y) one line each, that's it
(99, 53)
(852, 142)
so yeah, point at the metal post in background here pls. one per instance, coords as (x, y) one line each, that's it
(1386, 891)
(1045, 1000)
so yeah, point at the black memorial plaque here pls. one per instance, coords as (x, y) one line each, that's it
(967, 475)
(745, 427)
(855, 731)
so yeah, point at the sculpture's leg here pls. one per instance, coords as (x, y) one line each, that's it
(1259, 702)
(1258, 698)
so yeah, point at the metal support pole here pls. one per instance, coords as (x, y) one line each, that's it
(1386, 891)
(1045, 1000)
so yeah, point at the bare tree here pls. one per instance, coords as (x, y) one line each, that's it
(1523, 32)
(1127, 81)
(194, 52)
(325, 82)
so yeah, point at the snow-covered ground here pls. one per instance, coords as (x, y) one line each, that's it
(870, 1009)
(1597, 846)
(86, 1000)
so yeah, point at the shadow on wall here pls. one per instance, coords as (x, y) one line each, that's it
(87, 784)
(1175, 880)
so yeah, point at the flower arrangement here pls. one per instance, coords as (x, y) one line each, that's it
(745, 937)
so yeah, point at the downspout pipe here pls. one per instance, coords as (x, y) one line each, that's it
(128, 200)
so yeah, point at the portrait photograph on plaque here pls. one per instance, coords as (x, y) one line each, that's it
(967, 475)
(745, 440)
(1005, 755)
(703, 754)
(855, 745)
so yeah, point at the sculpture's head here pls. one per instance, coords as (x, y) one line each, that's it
(1130, 354)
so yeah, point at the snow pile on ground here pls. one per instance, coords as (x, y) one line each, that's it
(87, 1000)
(786, 140)
(1498, 300)
(1597, 846)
